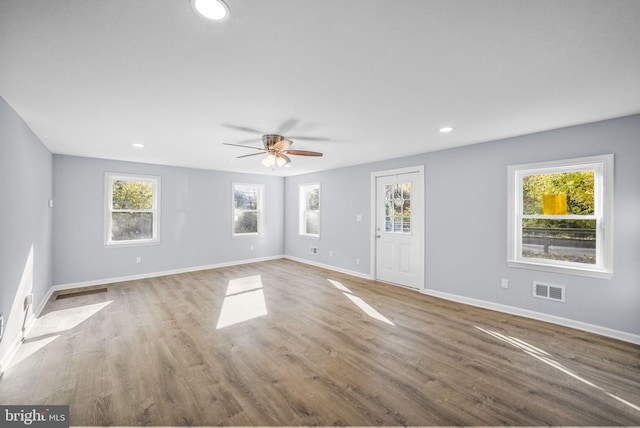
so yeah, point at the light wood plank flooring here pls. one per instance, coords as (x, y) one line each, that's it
(148, 353)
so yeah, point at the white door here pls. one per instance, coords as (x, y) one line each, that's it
(399, 229)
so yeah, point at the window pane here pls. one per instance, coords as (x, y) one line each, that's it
(132, 195)
(246, 198)
(566, 240)
(246, 222)
(312, 198)
(128, 226)
(559, 194)
(312, 222)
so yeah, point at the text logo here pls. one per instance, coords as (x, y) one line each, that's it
(34, 416)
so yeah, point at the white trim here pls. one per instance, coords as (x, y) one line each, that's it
(302, 209)
(372, 248)
(603, 194)
(155, 181)
(259, 209)
(329, 267)
(512, 310)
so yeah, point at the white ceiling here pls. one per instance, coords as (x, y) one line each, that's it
(374, 79)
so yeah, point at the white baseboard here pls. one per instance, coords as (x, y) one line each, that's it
(512, 310)
(329, 267)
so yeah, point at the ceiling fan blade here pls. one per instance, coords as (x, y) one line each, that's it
(302, 153)
(242, 128)
(287, 125)
(310, 138)
(252, 154)
(283, 144)
(286, 159)
(246, 147)
(248, 141)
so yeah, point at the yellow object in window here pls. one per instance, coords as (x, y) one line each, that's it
(554, 204)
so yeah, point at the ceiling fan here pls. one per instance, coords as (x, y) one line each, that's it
(277, 149)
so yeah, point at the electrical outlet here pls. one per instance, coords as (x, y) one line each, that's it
(28, 301)
(357, 261)
(505, 283)
(330, 253)
(138, 259)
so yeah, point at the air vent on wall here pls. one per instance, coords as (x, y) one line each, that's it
(548, 291)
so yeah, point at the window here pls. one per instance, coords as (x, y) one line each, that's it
(132, 215)
(310, 209)
(247, 209)
(560, 216)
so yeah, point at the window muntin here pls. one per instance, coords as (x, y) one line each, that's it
(247, 209)
(310, 210)
(132, 214)
(560, 215)
(397, 210)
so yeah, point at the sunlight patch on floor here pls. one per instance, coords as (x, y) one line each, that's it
(30, 347)
(364, 306)
(339, 286)
(545, 357)
(48, 327)
(244, 301)
(65, 319)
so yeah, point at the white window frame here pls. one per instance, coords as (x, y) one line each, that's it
(110, 177)
(302, 209)
(603, 207)
(259, 208)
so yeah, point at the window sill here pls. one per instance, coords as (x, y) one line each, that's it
(246, 235)
(315, 237)
(567, 270)
(125, 244)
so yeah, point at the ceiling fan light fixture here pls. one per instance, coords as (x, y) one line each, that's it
(280, 161)
(215, 10)
(269, 161)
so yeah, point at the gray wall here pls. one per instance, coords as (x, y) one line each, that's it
(466, 222)
(344, 194)
(195, 221)
(25, 219)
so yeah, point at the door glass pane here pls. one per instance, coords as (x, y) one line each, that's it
(397, 200)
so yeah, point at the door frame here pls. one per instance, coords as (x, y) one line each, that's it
(374, 220)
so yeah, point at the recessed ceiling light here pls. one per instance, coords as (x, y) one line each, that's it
(445, 129)
(138, 145)
(215, 10)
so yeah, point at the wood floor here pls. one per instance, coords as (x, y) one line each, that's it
(294, 348)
